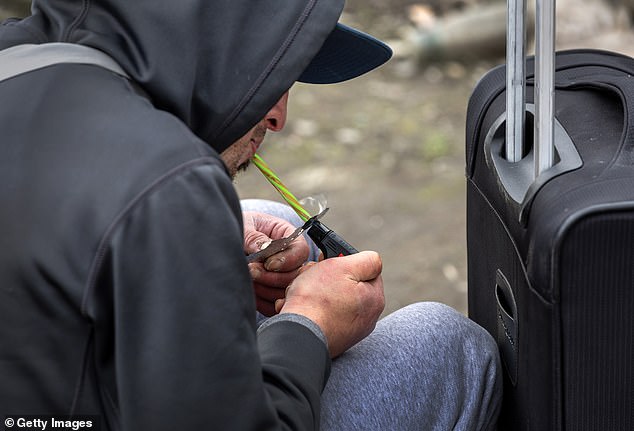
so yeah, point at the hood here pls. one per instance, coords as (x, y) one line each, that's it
(218, 65)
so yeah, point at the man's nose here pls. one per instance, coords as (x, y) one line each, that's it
(276, 117)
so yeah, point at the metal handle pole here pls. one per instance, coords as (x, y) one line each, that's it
(515, 77)
(544, 84)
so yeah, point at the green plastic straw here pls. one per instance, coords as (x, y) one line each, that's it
(280, 187)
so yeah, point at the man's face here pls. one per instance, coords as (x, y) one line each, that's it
(240, 153)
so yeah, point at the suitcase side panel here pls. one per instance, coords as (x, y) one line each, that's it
(596, 276)
(531, 360)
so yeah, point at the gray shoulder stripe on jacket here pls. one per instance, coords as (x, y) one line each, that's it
(21, 59)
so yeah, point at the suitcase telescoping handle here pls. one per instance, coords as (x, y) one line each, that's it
(544, 82)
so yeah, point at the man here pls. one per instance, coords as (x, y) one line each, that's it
(124, 290)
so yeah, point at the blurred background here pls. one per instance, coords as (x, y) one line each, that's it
(387, 149)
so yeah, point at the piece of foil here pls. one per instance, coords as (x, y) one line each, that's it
(314, 204)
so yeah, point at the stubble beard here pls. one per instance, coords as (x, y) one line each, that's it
(258, 135)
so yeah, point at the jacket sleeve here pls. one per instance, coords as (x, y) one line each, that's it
(175, 320)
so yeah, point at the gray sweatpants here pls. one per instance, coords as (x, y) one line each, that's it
(424, 367)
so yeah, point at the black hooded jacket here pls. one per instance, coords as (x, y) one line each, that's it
(124, 290)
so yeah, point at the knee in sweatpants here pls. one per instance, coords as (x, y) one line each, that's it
(469, 356)
(446, 323)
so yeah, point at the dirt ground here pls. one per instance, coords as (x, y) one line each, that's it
(387, 150)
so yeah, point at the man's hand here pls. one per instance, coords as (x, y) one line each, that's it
(343, 295)
(272, 277)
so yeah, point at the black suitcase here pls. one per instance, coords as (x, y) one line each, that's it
(551, 259)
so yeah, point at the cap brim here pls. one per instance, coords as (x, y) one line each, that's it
(346, 54)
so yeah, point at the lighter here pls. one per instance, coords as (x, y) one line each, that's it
(328, 241)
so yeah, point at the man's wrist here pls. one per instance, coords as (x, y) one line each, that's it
(296, 318)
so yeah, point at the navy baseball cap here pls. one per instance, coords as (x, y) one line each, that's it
(346, 54)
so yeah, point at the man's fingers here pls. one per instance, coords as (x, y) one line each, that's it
(279, 304)
(306, 267)
(269, 293)
(362, 266)
(260, 275)
(259, 228)
(267, 308)
(255, 241)
(289, 259)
